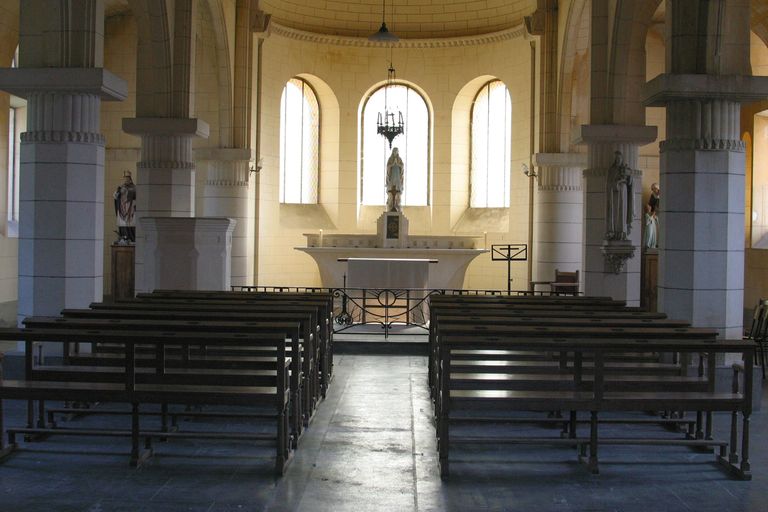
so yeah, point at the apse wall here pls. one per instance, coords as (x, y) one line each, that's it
(352, 67)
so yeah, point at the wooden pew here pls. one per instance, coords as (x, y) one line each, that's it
(482, 313)
(300, 394)
(128, 384)
(309, 330)
(574, 393)
(326, 307)
(258, 308)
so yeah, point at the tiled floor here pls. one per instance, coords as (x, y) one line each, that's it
(371, 448)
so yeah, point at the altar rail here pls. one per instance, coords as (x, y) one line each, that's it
(406, 307)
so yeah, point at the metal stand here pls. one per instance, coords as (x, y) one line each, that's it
(509, 253)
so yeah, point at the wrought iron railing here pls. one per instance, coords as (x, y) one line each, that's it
(406, 307)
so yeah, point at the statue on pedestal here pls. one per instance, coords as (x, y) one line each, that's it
(394, 182)
(125, 209)
(619, 200)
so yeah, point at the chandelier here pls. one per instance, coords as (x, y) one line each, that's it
(388, 124)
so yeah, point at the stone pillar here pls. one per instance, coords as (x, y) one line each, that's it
(227, 194)
(165, 174)
(708, 75)
(61, 194)
(558, 213)
(701, 248)
(605, 275)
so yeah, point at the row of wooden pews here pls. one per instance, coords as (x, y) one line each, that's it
(496, 362)
(268, 354)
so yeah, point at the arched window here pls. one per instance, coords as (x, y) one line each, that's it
(17, 124)
(413, 146)
(299, 143)
(491, 145)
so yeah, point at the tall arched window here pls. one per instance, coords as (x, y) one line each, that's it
(17, 124)
(413, 146)
(299, 143)
(491, 145)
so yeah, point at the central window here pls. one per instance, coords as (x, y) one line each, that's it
(413, 146)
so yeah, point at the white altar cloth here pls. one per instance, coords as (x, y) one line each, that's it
(392, 273)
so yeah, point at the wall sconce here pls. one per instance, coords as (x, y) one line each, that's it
(528, 172)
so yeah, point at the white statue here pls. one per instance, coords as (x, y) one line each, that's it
(651, 228)
(395, 174)
(619, 200)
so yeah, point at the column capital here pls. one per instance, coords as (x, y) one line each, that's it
(23, 82)
(671, 87)
(615, 133)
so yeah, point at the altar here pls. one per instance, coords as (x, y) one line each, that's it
(452, 254)
(392, 258)
(397, 273)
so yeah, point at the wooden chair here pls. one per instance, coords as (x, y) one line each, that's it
(566, 283)
(758, 331)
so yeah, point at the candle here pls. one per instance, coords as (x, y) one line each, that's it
(321, 239)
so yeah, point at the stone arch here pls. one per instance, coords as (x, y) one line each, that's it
(224, 73)
(460, 144)
(627, 60)
(575, 49)
(759, 19)
(153, 59)
(330, 122)
(431, 130)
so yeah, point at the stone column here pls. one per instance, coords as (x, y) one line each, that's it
(701, 247)
(605, 274)
(227, 194)
(558, 213)
(708, 75)
(165, 174)
(61, 193)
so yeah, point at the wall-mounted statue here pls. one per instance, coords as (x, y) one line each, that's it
(619, 200)
(125, 209)
(394, 183)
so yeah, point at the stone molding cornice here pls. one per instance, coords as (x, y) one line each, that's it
(100, 82)
(615, 133)
(515, 32)
(675, 87)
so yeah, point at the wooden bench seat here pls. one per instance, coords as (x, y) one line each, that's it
(304, 389)
(266, 389)
(467, 395)
(258, 309)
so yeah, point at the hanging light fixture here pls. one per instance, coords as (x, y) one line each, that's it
(389, 125)
(383, 35)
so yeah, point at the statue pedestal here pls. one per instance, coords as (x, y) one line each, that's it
(392, 230)
(616, 253)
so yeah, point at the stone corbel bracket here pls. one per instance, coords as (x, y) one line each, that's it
(616, 253)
